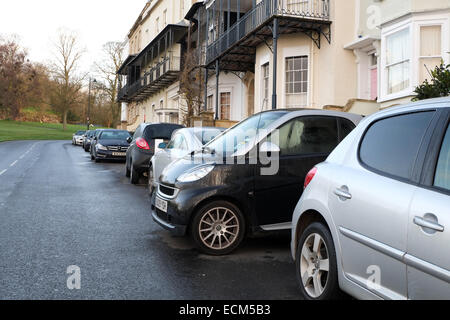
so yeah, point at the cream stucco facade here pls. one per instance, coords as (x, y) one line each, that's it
(155, 51)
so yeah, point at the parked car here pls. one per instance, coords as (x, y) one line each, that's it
(143, 145)
(374, 219)
(93, 142)
(110, 145)
(183, 142)
(247, 180)
(88, 136)
(78, 138)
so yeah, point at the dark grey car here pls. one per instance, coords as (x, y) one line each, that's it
(142, 147)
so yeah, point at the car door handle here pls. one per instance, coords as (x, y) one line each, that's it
(421, 222)
(343, 193)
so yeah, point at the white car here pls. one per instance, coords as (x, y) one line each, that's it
(78, 138)
(374, 220)
(183, 142)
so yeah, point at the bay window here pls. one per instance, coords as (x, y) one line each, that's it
(430, 50)
(398, 60)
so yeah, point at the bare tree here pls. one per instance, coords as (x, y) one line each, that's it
(68, 82)
(18, 78)
(191, 87)
(113, 57)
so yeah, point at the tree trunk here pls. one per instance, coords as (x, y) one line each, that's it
(65, 119)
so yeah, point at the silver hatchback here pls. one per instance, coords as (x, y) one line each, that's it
(374, 220)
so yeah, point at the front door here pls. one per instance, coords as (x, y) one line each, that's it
(303, 142)
(428, 258)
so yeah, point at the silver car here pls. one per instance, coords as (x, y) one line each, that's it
(183, 142)
(374, 220)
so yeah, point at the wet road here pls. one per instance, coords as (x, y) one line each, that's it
(58, 209)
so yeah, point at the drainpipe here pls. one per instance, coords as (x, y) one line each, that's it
(275, 55)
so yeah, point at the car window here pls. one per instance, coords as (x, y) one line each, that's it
(206, 135)
(240, 137)
(391, 145)
(178, 142)
(114, 135)
(160, 131)
(345, 126)
(308, 135)
(442, 177)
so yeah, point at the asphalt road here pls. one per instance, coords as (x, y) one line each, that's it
(58, 209)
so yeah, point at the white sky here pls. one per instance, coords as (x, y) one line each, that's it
(96, 22)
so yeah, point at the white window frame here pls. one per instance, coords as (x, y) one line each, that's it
(383, 89)
(265, 101)
(308, 86)
(220, 103)
(414, 22)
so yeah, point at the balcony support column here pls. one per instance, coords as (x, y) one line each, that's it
(217, 89)
(275, 56)
(228, 22)
(238, 18)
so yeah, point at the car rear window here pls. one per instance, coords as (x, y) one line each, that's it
(391, 145)
(160, 131)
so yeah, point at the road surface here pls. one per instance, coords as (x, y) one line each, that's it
(59, 209)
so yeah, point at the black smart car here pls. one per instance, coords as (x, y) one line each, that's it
(142, 147)
(110, 145)
(248, 179)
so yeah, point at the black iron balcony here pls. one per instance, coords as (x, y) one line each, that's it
(160, 76)
(236, 47)
(122, 95)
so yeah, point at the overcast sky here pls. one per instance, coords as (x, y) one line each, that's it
(96, 21)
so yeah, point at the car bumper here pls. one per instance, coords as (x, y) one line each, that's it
(141, 160)
(176, 230)
(103, 154)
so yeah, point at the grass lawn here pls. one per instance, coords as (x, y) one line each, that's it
(13, 130)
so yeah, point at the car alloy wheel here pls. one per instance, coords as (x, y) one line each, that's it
(314, 265)
(218, 228)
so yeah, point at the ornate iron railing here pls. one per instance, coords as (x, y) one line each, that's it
(169, 64)
(263, 11)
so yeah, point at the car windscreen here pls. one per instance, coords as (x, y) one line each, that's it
(160, 131)
(244, 134)
(206, 135)
(114, 135)
(79, 133)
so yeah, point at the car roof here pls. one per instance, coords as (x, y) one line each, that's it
(436, 103)
(293, 113)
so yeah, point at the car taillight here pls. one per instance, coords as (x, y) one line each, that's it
(142, 144)
(309, 177)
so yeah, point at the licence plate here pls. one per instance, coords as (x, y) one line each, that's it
(161, 204)
(119, 154)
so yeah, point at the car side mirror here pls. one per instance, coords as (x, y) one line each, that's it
(162, 145)
(269, 147)
(129, 139)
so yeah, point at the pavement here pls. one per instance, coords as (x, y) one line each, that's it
(59, 209)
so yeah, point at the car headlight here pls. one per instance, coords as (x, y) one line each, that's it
(101, 147)
(196, 174)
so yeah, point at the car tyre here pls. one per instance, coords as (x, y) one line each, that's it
(218, 228)
(134, 175)
(127, 170)
(151, 185)
(316, 264)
